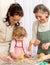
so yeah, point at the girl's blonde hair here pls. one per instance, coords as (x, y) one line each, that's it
(19, 32)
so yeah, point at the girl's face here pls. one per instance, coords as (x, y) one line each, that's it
(42, 17)
(17, 38)
(14, 19)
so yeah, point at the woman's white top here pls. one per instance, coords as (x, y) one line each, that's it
(40, 27)
(5, 32)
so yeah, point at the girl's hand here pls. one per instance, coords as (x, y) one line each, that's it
(28, 55)
(37, 42)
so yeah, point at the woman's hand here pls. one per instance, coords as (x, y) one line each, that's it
(45, 46)
(7, 59)
(33, 42)
(45, 57)
(30, 44)
(36, 42)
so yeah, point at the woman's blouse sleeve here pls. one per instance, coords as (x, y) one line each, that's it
(12, 46)
(34, 30)
(2, 31)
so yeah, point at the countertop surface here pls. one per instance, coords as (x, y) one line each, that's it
(26, 61)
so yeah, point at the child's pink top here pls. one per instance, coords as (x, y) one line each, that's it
(17, 47)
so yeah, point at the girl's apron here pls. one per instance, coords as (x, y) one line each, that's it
(19, 49)
(44, 37)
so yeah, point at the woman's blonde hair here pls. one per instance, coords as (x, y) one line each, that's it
(19, 32)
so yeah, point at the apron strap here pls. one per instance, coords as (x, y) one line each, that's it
(19, 46)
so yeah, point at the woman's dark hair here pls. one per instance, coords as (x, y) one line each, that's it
(14, 9)
(41, 7)
(17, 24)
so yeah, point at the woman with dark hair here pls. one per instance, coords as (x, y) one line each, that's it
(15, 12)
(14, 15)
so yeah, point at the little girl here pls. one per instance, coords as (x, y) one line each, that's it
(17, 44)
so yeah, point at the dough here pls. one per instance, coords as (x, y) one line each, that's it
(21, 57)
(41, 55)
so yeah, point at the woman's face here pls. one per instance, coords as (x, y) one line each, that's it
(42, 17)
(14, 19)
